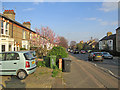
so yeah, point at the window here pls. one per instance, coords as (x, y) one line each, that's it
(24, 34)
(12, 56)
(30, 35)
(2, 30)
(28, 56)
(6, 31)
(9, 47)
(2, 56)
(7, 25)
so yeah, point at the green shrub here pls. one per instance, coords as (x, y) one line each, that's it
(23, 49)
(47, 61)
(41, 63)
(58, 52)
(55, 72)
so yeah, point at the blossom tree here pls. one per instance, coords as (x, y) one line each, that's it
(45, 38)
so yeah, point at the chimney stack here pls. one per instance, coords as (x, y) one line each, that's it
(10, 14)
(27, 24)
(109, 33)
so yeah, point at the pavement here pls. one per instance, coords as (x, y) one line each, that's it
(86, 75)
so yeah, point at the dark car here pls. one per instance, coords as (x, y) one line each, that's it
(83, 51)
(95, 56)
(107, 55)
(76, 51)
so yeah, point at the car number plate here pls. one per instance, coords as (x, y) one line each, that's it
(98, 56)
(33, 62)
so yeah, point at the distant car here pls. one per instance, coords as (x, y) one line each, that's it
(89, 51)
(71, 50)
(83, 51)
(76, 51)
(68, 49)
(106, 55)
(20, 63)
(95, 56)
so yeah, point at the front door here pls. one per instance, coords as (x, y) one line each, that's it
(3, 48)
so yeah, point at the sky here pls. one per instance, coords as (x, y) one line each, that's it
(75, 21)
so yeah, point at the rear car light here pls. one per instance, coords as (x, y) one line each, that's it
(93, 55)
(27, 64)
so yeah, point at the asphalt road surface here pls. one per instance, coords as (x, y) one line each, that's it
(111, 65)
(86, 75)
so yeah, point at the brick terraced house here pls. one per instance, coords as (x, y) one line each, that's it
(14, 35)
(118, 39)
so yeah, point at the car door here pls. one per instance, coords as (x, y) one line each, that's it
(10, 64)
(2, 58)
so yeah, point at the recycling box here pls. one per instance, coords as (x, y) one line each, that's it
(52, 61)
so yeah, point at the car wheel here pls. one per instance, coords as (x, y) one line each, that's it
(21, 74)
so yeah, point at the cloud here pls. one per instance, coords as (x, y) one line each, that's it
(102, 22)
(36, 2)
(91, 19)
(28, 9)
(109, 6)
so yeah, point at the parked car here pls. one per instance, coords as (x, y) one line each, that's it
(106, 55)
(95, 56)
(33, 53)
(68, 49)
(76, 51)
(89, 51)
(83, 51)
(20, 63)
(71, 50)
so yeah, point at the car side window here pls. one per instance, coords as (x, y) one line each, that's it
(2, 56)
(12, 56)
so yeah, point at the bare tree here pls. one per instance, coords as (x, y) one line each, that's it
(63, 42)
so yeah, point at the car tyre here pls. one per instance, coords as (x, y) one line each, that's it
(112, 58)
(21, 74)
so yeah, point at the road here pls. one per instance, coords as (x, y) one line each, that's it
(111, 65)
(86, 75)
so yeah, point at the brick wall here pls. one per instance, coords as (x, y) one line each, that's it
(118, 40)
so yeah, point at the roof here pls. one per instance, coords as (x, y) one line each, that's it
(1, 15)
(118, 28)
(111, 37)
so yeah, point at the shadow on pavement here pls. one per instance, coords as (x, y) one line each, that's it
(14, 82)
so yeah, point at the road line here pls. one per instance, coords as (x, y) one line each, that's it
(110, 72)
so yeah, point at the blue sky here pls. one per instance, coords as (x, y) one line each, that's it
(73, 20)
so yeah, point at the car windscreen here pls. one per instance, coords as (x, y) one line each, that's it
(105, 53)
(28, 56)
(97, 54)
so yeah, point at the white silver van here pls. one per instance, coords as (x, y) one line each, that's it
(19, 63)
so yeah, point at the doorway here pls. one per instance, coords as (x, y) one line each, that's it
(3, 48)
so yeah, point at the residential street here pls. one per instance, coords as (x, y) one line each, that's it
(111, 65)
(85, 75)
